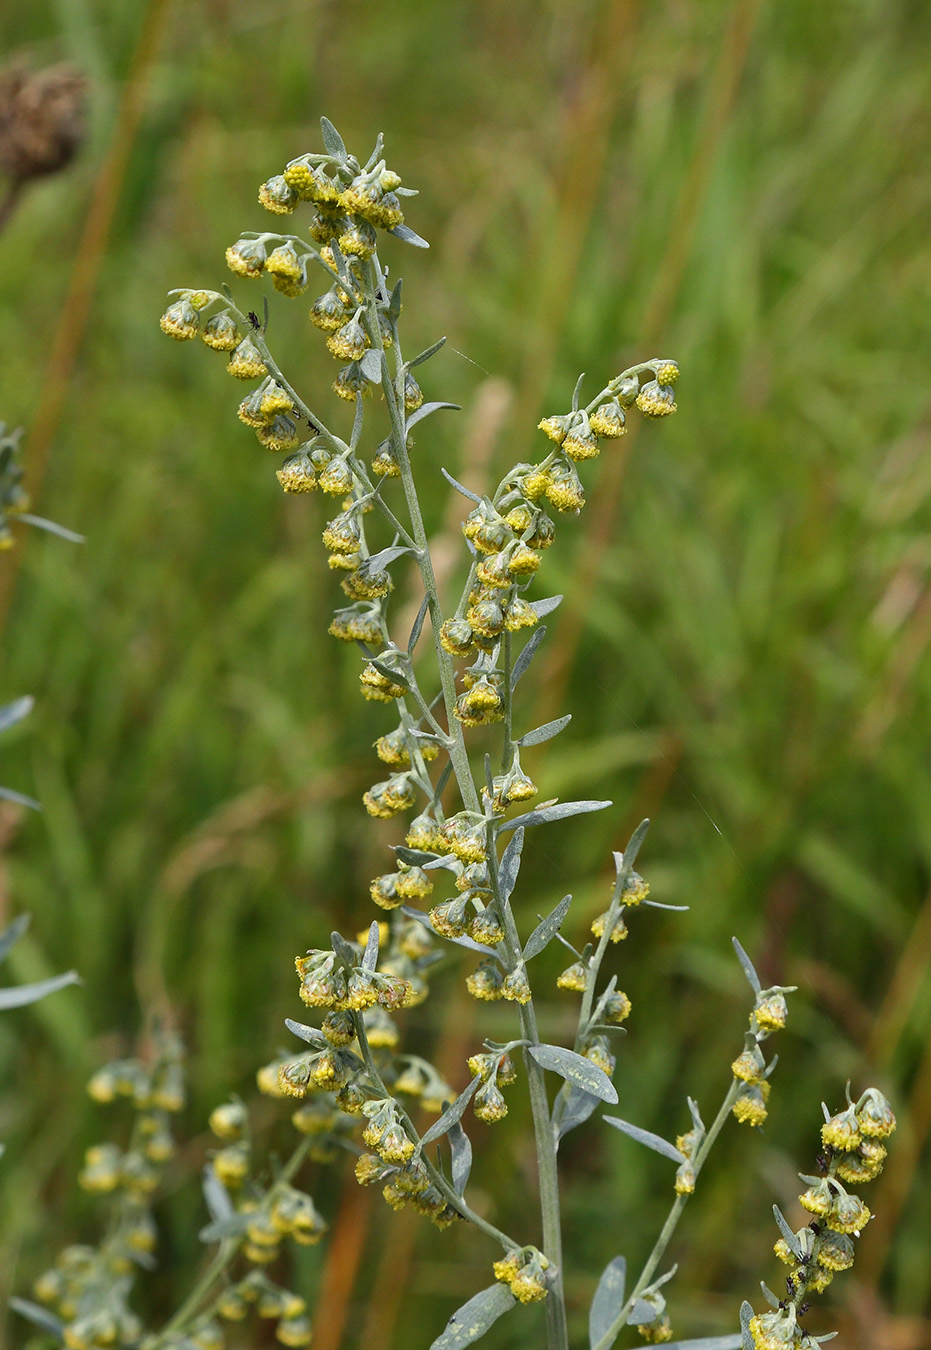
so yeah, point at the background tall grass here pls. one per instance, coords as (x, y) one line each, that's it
(744, 642)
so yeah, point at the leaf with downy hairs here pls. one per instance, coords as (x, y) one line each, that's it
(547, 928)
(370, 365)
(459, 488)
(311, 1035)
(461, 1148)
(452, 1113)
(408, 235)
(332, 140)
(474, 1318)
(560, 811)
(425, 355)
(20, 995)
(748, 969)
(576, 1106)
(608, 1300)
(426, 409)
(522, 663)
(543, 607)
(575, 1069)
(546, 732)
(646, 1137)
(417, 626)
(510, 865)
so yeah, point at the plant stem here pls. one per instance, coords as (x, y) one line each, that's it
(672, 1220)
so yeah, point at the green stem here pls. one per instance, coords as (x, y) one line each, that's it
(672, 1220)
(223, 1258)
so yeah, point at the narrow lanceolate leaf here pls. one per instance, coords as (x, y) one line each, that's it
(461, 1148)
(572, 1107)
(20, 798)
(546, 732)
(394, 303)
(425, 355)
(216, 1196)
(417, 627)
(390, 673)
(22, 994)
(625, 861)
(52, 527)
(370, 955)
(224, 1228)
(546, 606)
(653, 1141)
(13, 933)
(408, 235)
(792, 1241)
(510, 864)
(527, 654)
(332, 140)
(41, 1317)
(746, 1338)
(453, 482)
(370, 365)
(309, 1034)
(547, 928)
(733, 1342)
(748, 969)
(343, 950)
(474, 1318)
(15, 711)
(386, 556)
(560, 811)
(414, 857)
(608, 1300)
(426, 409)
(452, 1114)
(576, 1069)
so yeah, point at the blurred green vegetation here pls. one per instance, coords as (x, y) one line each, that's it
(744, 641)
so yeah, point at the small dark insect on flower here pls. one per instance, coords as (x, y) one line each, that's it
(803, 1309)
(254, 320)
(815, 1227)
(822, 1161)
(790, 1286)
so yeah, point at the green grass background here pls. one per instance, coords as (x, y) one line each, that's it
(744, 641)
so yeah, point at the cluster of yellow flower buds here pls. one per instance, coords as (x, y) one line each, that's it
(269, 1300)
(523, 1270)
(406, 1184)
(495, 1069)
(853, 1152)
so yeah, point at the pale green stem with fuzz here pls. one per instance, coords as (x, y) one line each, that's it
(555, 1301)
(672, 1220)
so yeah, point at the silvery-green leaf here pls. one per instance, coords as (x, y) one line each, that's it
(342, 949)
(19, 995)
(732, 1342)
(577, 391)
(641, 1314)
(697, 1122)
(332, 140)
(386, 556)
(746, 1338)
(527, 654)
(624, 862)
(608, 1300)
(653, 1141)
(561, 811)
(219, 1229)
(747, 964)
(474, 1318)
(452, 1113)
(426, 409)
(311, 1035)
(370, 365)
(20, 798)
(216, 1196)
(547, 928)
(39, 1316)
(459, 488)
(510, 864)
(41, 523)
(576, 1069)
(788, 1233)
(414, 857)
(572, 1107)
(408, 235)
(13, 933)
(543, 607)
(370, 955)
(417, 627)
(427, 353)
(394, 304)
(546, 732)
(14, 712)
(771, 1298)
(461, 1148)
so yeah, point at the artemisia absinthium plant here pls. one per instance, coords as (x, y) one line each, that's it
(353, 1074)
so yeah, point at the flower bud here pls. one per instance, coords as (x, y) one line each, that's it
(246, 257)
(656, 400)
(221, 333)
(246, 362)
(277, 196)
(180, 320)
